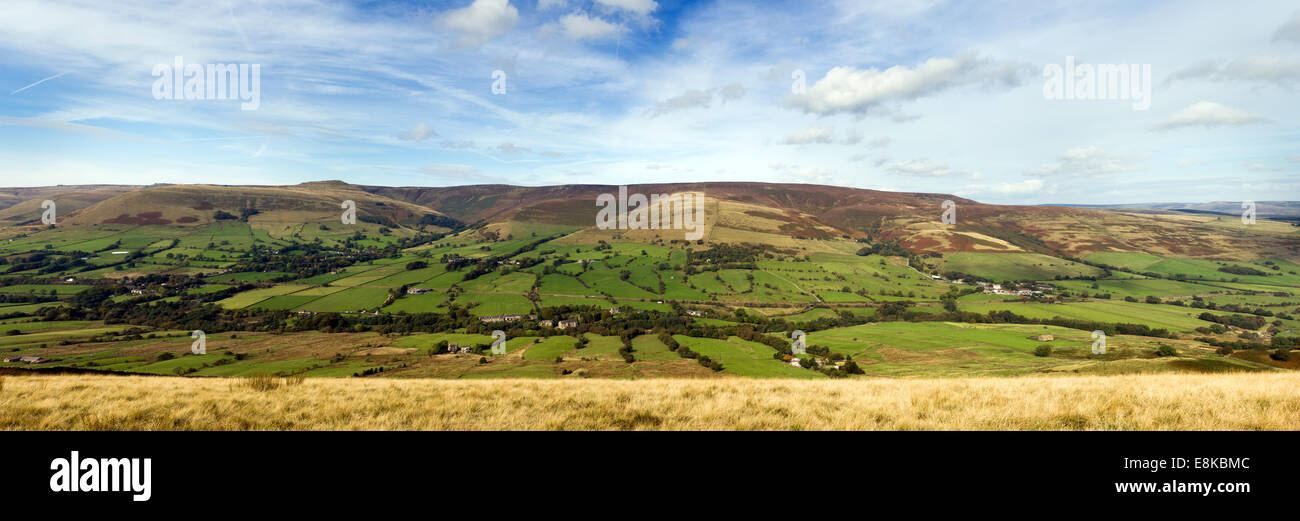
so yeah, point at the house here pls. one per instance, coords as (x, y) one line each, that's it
(795, 362)
(457, 348)
(546, 323)
(693, 312)
(566, 324)
(613, 311)
(500, 318)
(417, 291)
(137, 292)
(1044, 338)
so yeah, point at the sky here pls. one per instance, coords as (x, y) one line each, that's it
(916, 96)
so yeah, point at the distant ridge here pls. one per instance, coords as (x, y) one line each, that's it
(1283, 210)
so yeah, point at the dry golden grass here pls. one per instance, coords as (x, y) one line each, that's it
(1145, 402)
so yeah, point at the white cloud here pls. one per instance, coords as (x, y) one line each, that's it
(1289, 30)
(1260, 166)
(480, 21)
(815, 134)
(695, 98)
(847, 90)
(880, 142)
(420, 132)
(808, 135)
(511, 148)
(1086, 161)
(578, 26)
(1277, 70)
(1209, 115)
(639, 7)
(543, 5)
(926, 168)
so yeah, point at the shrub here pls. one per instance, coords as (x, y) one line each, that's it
(1166, 350)
(1281, 354)
(13, 332)
(1043, 350)
(165, 356)
(1225, 350)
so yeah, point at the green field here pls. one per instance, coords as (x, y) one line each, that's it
(1016, 266)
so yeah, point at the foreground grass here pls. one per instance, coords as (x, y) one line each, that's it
(1137, 402)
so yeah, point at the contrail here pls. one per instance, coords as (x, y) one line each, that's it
(37, 83)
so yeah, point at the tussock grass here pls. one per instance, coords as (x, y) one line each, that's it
(1129, 402)
(260, 383)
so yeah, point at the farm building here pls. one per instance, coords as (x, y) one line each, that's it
(500, 318)
(1044, 338)
(28, 359)
(417, 291)
(546, 323)
(457, 348)
(566, 324)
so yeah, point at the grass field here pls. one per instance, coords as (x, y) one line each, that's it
(1016, 266)
(1148, 402)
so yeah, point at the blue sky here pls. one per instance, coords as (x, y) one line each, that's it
(923, 95)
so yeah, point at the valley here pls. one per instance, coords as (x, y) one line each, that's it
(414, 288)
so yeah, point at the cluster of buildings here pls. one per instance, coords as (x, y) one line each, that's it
(558, 324)
(28, 359)
(997, 289)
(455, 348)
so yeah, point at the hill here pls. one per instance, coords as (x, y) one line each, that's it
(809, 217)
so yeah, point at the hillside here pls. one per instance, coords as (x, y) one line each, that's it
(785, 214)
(809, 217)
